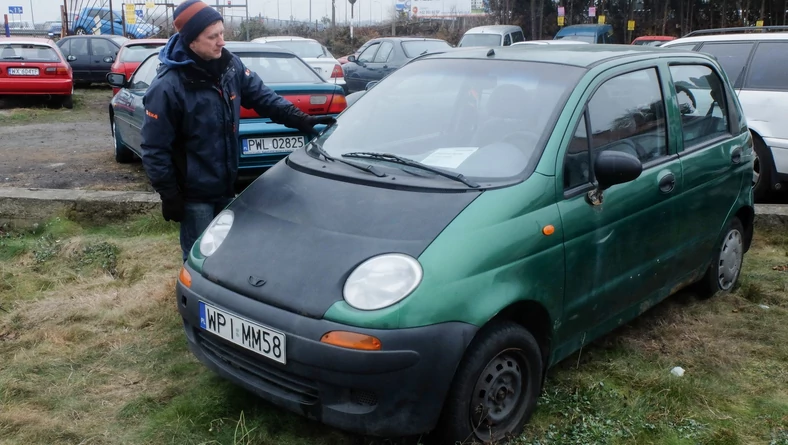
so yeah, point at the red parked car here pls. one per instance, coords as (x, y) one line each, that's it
(31, 66)
(131, 54)
(652, 40)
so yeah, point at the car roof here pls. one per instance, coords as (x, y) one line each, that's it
(584, 56)
(744, 36)
(254, 46)
(272, 38)
(493, 29)
(27, 40)
(655, 37)
(144, 42)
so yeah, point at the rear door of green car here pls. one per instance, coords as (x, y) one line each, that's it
(618, 251)
(711, 158)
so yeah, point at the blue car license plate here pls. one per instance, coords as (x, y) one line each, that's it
(280, 144)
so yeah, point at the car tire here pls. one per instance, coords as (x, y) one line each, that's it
(504, 358)
(122, 154)
(67, 102)
(80, 31)
(762, 170)
(725, 268)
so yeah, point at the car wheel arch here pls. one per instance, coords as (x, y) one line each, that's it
(746, 215)
(533, 316)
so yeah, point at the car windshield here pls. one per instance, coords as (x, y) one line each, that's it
(302, 48)
(480, 40)
(649, 42)
(590, 38)
(28, 52)
(486, 119)
(279, 68)
(138, 53)
(414, 48)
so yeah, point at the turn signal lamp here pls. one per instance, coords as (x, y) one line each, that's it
(351, 340)
(185, 277)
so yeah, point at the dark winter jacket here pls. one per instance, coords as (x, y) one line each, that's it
(190, 132)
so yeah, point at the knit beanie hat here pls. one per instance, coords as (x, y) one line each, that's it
(192, 17)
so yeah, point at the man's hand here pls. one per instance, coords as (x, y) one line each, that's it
(308, 124)
(172, 209)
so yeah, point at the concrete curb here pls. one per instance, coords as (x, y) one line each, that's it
(26, 206)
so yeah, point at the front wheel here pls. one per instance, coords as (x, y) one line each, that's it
(725, 267)
(762, 170)
(122, 154)
(496, 386)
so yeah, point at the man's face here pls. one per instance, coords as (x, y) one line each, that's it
(210, 42)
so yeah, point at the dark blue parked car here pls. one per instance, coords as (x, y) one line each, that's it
(262, 142)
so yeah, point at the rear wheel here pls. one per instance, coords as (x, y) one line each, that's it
(122, 154)
(762, 170)
(496, 386)
(725, 267)
(80, 31)
(67, 102)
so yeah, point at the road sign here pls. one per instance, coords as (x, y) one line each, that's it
(15, 10)
(561, 11)
(759, 23)
(561, 20)
(131, 15)
(631, 25)
(601, 20)
(592, 12)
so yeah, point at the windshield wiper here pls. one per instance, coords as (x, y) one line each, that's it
(410, 162)
(365, 167)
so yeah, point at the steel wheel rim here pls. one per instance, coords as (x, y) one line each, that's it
(81, 32)
(499, 396)
(730, 260)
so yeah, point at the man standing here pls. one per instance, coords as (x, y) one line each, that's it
(192, 108)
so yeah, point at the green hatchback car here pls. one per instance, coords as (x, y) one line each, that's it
(475, 218)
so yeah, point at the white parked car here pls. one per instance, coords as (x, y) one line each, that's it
(756, 64)
(313, 53)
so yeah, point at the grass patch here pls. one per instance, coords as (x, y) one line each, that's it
(92, 351)
(31, 109)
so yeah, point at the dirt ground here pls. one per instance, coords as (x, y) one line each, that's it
(44, 147)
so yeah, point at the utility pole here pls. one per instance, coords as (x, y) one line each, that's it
(32, 17)
(111, 18)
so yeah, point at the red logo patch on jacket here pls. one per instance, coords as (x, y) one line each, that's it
(153, 115)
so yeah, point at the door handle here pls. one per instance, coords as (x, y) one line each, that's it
(736, 155)
(667, 183)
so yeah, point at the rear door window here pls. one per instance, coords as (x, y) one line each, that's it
(732, 56)
(701, 97)
(517, 36)
(384, 52)
(769, 67)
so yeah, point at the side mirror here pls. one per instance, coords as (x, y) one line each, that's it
(109, 59)
(117, 80)
(71, 58)
(351, 58)
(370, 85)
(615, 167)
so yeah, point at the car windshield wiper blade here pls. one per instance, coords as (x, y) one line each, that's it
(410, 162)
(365, 167)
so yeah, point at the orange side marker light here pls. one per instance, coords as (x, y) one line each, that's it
(548, 230)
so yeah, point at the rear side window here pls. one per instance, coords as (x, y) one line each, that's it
(27, 52)
(701, 98)
(769, 67)
(686, 46)
(732, 56)
(101, 48)
(384, 52)
(517, 36)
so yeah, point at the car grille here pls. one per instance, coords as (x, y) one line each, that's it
(264, 376)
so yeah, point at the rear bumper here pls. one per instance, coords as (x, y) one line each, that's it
(398, 391)
(36, 86)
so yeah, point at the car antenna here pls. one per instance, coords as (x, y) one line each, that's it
(491, 52)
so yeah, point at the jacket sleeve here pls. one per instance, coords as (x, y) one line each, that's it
(262, 99)
(159, 128)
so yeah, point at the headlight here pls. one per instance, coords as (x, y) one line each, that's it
(382, 281)
(217, 231)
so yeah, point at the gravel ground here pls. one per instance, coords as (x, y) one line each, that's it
(42, 147)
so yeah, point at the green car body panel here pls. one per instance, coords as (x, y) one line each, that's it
(604, 264)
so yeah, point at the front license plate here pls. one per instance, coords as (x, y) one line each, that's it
(272, 145)
(252, 336)
(23, 71)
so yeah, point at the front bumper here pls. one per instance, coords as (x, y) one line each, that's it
(398, 391)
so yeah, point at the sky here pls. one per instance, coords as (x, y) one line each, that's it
(46, 10)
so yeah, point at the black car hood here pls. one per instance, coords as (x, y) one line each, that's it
(304, 234)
